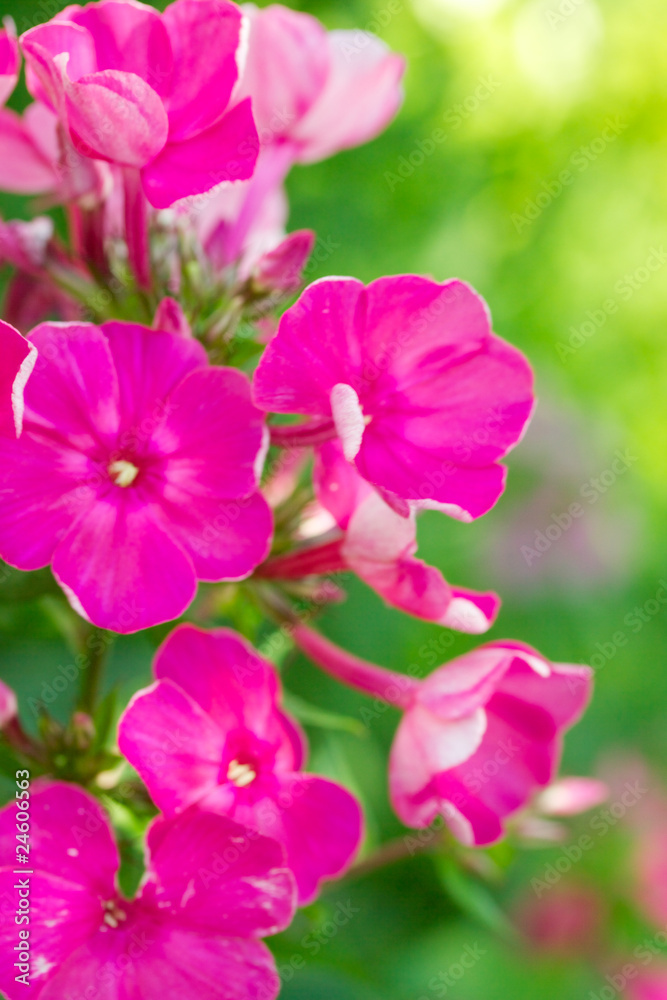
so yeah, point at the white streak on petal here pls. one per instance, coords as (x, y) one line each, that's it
(348, 418)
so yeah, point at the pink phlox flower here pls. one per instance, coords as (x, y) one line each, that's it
(232, 749)
(136, 475)
(424, 398)
(210, 892)
(149, 91)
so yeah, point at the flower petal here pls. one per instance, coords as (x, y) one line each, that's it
(316, 347)
(201, 87)
(173, 744)
(361, 96)
(117, 117)
(227, 151)
(70, 837)
(208, 872)
(17, 360)
(120, 568)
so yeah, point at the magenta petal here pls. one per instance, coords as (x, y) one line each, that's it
(63, 916)
(17, 360)
(361, 96)
(316, 347)
(338, 486)
(202, 86)
(45, 487)
(225, 539)
(242, 886)
(70, 836)
(150, 364)
(183, 963)
(23, 167)
(320, 825)
(227, 151)
(232, 683)
(212, 450)
(391, 462)
(10, 63)
(120, 569)
(8, 705)
(74, 389)
(128, 37)
(117, 117)
(173, 744)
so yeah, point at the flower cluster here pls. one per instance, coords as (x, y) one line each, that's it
(160, 430)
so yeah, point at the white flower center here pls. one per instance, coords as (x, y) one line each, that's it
(113, 915)
(241, 774)
(349, 418)
(123, 473)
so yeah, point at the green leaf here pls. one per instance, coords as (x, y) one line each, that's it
(312, 715)
(474, 898)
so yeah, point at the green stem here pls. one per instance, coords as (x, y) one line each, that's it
(97, 647)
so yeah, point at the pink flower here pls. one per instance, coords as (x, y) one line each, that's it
(317, 91)
(149, 91)
(17, 360)
(8, 705)
(209, 893)
(379, 546)
(649, 985)
(10, 61)
(210, 731)
(136, 474)
(36, 157)
(478, 738)
(424, 398)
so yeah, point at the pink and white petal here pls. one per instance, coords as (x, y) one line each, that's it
(121, 569)
(213, 437)
(317, 346)
(224, 674)
(130, 38)
(471, 611)
(338, 486)
(407, 584)
(23, 167)
(63, 916)
(201, 87)
(425, 746)
(173, 744)
(320, 825)
(362, 95)
(70, 836)
(571, 796)
(17, 360)
(378, 534)
(116, 117)
(41, 45)
(73, 393)
(227, 151)
(286, 69)
(564, 694)
(207, 871)
(466, 683)
(149, 364)
(391, 462)
(225, 539)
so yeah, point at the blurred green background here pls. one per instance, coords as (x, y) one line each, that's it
(529, 159)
